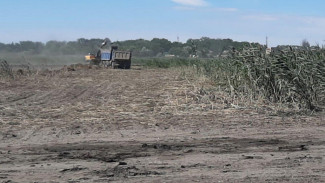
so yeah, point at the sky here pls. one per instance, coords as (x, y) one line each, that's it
(282, 21)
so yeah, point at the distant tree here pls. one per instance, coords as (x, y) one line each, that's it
(179, 51)
(32, 47)
(54, 47)
(160, 46)
(305, 43)
(204, 47)
(38, 47)
(2, 47)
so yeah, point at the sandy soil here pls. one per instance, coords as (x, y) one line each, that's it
(146, 125)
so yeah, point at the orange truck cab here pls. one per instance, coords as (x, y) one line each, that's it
(89, 57)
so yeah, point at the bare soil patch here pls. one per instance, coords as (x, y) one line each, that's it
(86, 124)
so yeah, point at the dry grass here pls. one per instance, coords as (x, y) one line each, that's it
(5, 70)
(288, 80)
(292, 80)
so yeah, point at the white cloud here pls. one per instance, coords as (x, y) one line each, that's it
(227, 9)
(184, 8)
(191, 2)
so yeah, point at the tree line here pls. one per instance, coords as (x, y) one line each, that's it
(204, 47)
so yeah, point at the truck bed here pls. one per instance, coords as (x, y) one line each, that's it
(121, 55)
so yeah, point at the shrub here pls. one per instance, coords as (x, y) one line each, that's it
(5, 69)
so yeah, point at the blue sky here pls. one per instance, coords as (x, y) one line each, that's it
(283, 21)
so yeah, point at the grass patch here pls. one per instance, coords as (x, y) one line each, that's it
(294, 77)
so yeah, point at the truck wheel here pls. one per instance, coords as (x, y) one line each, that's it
(101, 64)
(127, 65)
(105, 63)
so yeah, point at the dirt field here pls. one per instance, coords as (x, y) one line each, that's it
(146, 125)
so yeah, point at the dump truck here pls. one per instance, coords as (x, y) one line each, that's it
(110, 57)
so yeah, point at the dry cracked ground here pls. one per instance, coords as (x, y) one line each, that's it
(147, 125)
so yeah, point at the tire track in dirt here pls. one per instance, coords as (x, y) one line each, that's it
(119, 155)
